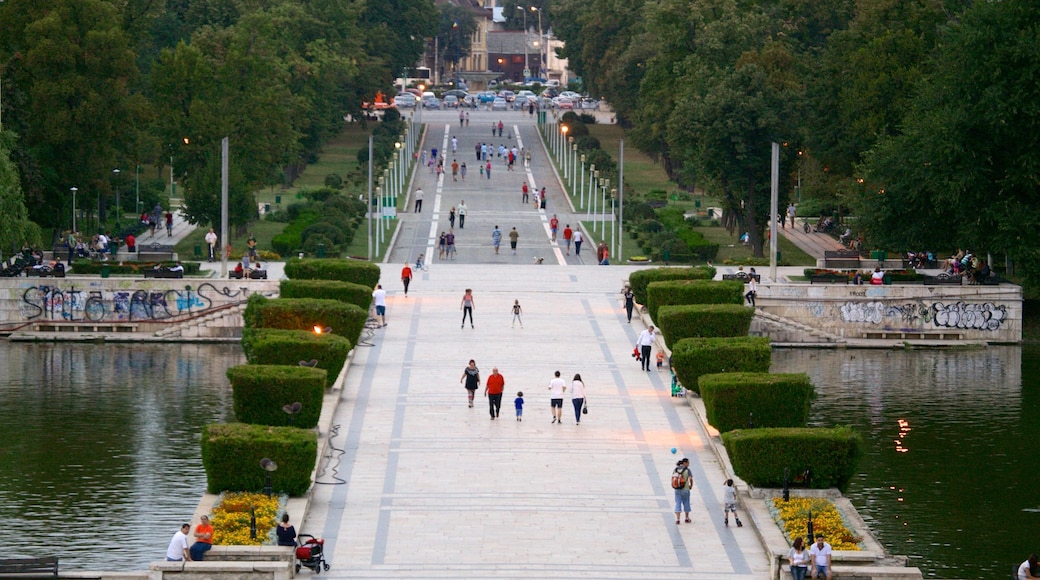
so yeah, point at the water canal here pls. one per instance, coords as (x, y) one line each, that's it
(100, 459)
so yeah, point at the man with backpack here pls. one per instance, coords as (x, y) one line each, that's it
(682, 482)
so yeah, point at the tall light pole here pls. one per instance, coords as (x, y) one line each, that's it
(527, 66)
(73, 190)
(541, 62)
(115, 172)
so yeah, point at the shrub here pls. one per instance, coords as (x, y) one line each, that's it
(703, 320)
(231, 454)
(679, 292)
(732, 400)
(347, 320)
(587, 142)
(288, 347)
(587, 118)
(693, 357)
(334, 233)
(333, 181)
(320, 243)
(830, 455)
(85, 266)
(356, 271)
(641, 279)
(260, 391)
(329, 289)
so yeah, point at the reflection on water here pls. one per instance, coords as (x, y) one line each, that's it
(949, 476)
(100, 461)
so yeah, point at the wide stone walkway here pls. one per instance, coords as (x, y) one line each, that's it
(422, 486)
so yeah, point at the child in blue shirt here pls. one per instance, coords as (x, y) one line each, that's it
(519, 402)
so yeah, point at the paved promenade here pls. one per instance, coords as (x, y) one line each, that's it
(435, 489)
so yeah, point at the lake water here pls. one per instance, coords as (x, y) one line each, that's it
(101, 448)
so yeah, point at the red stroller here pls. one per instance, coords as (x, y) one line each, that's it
(311, 553)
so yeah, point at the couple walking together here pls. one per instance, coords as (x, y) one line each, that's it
(557, 388)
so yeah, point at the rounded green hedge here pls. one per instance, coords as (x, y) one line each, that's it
(830, 455)
(693, 357)
(260, 391)
(677, 292)
(640, 279)
(356, 271)
(277, 346)
(328, 289)
(231, 454)
(347, 320)
(734, 400)
(703, 321)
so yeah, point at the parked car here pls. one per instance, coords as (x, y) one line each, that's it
(486, 97)
(457, 93)
(563, 103)
(451, 102)
(405, 101)
(499, 104)
(509, 96)
(432, 103)
(470, 101)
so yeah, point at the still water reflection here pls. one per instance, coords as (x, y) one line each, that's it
(100, 461)
(950, 472)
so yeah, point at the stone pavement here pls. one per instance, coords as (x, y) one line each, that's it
(421, 485)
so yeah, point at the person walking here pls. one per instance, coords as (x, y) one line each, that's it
(554, 225)
(449, 241)
(379, 300)
(493, 389)
(496, 238)
(471, 378)
(442, 245)
(798, 556)
(406, 277)
(454, 169)
(644, 342)
(630, 302)
(518, 402)
(211, 241)
(682, 482)
(820, 552)
(752, 289)
(462, 171)
(729, 503)
(791, 211)
(467, 308)
(451, 217)
(513, 237)
(462, 121)
(418, 199)
(500, 127)
(476, 150)
(455, 140)
(568, 233)
(517, 312)
(577, 397)
(557, 387)
(487, 169)
(541, 198)
(523, 190)
(462, 214)
(578, 238)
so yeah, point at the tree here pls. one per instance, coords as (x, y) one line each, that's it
(514, 13)
(455, 34)
(18, 229)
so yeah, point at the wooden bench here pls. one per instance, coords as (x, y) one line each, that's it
(162, 274)
(742, 276)
(942, 279)
(29, 567)
(829, 279)
(48, 273)
(841, 259)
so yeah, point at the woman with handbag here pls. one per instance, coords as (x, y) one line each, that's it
(578, 398)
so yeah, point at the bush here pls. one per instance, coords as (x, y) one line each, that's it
(329, 289)
(260, 391)
(586, 143)
(322, 243)
(333, 181)
(347, 320)
(679, 292)
(641, 279)
(231, 454)
(830, 455)
(732, 400)
(288, 347)
(332, 232)
(703, 321)
(85, 266)
(356, 271)
(693, 357)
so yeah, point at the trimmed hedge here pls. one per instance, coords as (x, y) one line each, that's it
(347, 320)
(759, 456)
(288, 347)
(85, 266)
(356, 271)
(693, 357)
(679, 292)
(732, 400)
(329, 289)
(703, 321)
(231, 454)
(640, 279)
(260, 391)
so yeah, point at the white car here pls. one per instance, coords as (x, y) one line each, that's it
(499, 104)
(405, 101)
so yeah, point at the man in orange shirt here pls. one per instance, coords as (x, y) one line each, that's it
(203, 540)
(406, 277)
(493, 388)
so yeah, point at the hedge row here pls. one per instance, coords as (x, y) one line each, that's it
(693, 357)
(830, 455)
(640, 279)
(231, 454)
(348, 292)
(261, 391)
(304, 314)
(742, 400)
(703, 321)
(356, 271)
(288, 347)
(679, 292)
(84, 266)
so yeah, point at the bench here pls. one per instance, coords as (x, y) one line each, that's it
(841, 259)
(253, 275)
(45, 273)
(29, 567)
(153, 256)
(742, 276)
(162, 274)
(942, 279)
(829, 279)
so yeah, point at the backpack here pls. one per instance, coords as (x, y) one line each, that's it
(679, 479)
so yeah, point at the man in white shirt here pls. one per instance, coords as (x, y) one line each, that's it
(379, 299)
(418, 199)
(211, 241)
(557, 387)
(644, 342)
(821, 558)
(461, 212)
(178, 549)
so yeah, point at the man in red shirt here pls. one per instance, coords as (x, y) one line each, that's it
(524, 190)
(567, 235)
(493, 388)
(406, 277)
(554, 224)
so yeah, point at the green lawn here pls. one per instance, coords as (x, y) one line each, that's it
(262, 229)
(730, 248)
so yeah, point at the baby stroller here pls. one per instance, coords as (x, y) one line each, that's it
(311, 553)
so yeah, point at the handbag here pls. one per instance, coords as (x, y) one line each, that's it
(585, 409)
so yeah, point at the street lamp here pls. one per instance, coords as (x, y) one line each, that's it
(527, 66)
(582, 175)
(563, 163)
(73, 190)
(269, 467)
(119, 211)
(541, 63)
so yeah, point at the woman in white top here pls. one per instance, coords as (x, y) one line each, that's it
(878, 277)
(577, 397)
(799, 558)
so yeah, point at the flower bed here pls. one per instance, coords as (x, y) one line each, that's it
(792, 517)
(230, 519)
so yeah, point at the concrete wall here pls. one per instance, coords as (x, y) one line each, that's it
(991, 314)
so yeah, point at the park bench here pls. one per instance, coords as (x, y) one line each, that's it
(742, 276)
(942, 279)
(29, 567)
(162, 274)
(155, 252)
(848, 259)
(56, 272)
(829, 279)
(253, 275)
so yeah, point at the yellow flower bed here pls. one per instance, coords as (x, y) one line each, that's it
(794, 515)
(230, 519)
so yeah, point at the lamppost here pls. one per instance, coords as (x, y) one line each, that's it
(119, 211)
(563, 162)
(594, 182)
(541, 63)
(73, 190)
(574, 159)
(269, 467)
(592, 171)
(137, 187)
(582, 176)
(527, 66)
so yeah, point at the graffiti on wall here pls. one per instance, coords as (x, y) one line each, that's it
(56, 303)
(976, 316)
